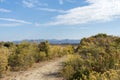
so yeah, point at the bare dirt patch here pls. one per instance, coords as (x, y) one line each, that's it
(43, 71)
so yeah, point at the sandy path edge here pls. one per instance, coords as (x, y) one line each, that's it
(47, 71)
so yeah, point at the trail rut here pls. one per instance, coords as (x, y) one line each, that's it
(48, 71)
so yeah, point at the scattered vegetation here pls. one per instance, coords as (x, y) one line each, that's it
(96, 58)
(16, 57)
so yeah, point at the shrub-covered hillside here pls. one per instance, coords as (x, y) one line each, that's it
(96, 58)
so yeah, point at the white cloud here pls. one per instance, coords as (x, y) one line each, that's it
(10, 24)
(36, 4)
(28, 4)
(15, 20)
(52, 10)
(97, 10)
(33, 3)
(4, 10)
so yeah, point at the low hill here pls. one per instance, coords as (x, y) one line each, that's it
(97, 58)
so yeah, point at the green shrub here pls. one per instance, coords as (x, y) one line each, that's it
(108, 75)
(3, 60)
(98, 59)
(20, 61)
(68, 72)
(22, 58)
(44, 47)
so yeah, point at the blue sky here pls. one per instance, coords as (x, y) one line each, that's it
(58, 19)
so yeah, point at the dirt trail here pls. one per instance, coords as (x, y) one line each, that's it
(47, 71)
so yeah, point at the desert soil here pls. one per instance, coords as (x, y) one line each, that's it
(48, 70)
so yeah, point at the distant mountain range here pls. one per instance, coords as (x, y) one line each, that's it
(52, 41)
